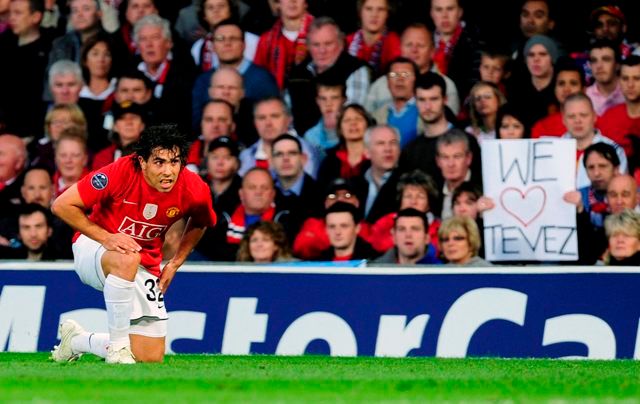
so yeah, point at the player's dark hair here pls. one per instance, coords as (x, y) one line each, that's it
(163, 137)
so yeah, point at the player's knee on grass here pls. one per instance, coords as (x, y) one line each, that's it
(147, 349)
(124, 266)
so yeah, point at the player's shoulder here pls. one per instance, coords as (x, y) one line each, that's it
(192, 181)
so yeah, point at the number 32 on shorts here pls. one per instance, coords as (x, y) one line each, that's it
(154, 294)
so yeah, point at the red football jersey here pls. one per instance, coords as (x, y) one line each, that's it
(121, 201)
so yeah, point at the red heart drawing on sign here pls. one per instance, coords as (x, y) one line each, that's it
(518, 203)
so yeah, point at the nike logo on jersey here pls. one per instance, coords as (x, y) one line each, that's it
(129, 203)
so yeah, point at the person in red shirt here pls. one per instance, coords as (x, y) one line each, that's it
(117, 249)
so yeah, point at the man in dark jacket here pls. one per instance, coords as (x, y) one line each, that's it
(342, 228)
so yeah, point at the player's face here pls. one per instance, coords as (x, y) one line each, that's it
(539, 61)
(65, 88)
(455, 247)
(221, 164)
(217, 121)
(261, 247)
(37, 188)
(567, 83)
(154, 47)
(410, 237)
(373, 15)
(161, 169)
(341, 229)
(599, 170)
(465, 206)
(132, 90)
(630, 82)
(454, 161)
(623, 245)
(603, 64)
(20, 18)
(430, 103)
(414, 197)
(579, 118)
(511, 128)
(71, 159)
(129, 127)
(34, 231)
(417, 45)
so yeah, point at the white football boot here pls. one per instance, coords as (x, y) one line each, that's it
(123, 356)
(62, 352)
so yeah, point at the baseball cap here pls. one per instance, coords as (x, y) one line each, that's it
(128, 107)
(611, 10)
(227, 142)
(339, 184)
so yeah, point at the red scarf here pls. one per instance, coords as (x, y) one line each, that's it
(346, 170)
(596, 205)
(128, 39)
(206, 53)
(237, 227)
(359, 49)
(280, 61)
(444, 51)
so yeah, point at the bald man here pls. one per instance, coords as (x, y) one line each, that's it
(13, 158)
(622, 193)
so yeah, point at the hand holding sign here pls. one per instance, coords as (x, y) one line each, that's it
(531, 218)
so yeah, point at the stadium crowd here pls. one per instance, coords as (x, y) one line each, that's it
(321, 138)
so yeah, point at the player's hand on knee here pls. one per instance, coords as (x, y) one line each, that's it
(168, 272)
(121, 243)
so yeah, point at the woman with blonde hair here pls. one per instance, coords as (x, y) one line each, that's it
(484, 101)
(623, 232)
(264, 242)
(460, 241)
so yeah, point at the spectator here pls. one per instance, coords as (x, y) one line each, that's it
(296, 190)
(535, 19)
(217, 121)
(623, 231)
(328, 60)
(568, 79)
(622, 122)
(71, 157)
(484, 100)
(622, 194)
(347, 160)
(128, 126)
(460, 242)
(258, 82)
(285, 44)
(379, 182)
(34, 230)
(411, 240)
(579, 118)
(272, 119)
(133, 86)
(454, 158)
(210, 14)
(330, 98)
(495, 68)
(415, 190)
(85, 22)
(456, 51)
(264, 242)
(37, 187)
(421, 152)
(21, 79)
(604, 62)
(602, 164)
(171, 75)
(401, 112)
(65, 79)
(416, 44)
(373, 42)
(312, 238)
(59, 118)
(609, 22)
(342, 228)
(13, 160)
(510, 124)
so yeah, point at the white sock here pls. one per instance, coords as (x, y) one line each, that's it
(118, 297)
(90, 342)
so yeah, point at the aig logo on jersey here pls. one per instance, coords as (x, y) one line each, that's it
(140, 230)
(150, 210)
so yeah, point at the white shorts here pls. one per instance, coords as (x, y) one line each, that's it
(149, 316)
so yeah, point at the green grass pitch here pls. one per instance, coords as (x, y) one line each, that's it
(207, 378)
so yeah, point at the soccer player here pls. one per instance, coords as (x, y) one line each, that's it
(117, 248)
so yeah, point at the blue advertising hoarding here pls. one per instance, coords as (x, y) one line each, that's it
(557, 312)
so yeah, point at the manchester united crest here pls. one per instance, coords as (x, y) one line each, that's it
(150, 210)
(173, 211)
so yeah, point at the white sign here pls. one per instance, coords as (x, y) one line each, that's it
(527, 179)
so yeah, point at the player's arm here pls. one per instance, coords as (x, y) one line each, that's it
(190, 237)
(71, 209)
